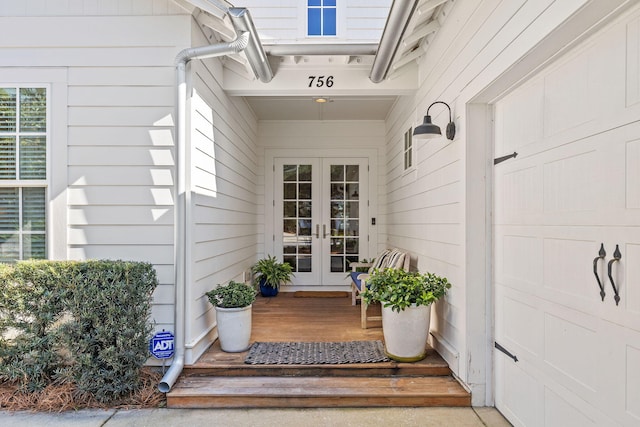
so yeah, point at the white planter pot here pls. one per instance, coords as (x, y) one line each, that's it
(406, 333)
(234, 328)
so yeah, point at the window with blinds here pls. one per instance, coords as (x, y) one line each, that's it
(23, 173)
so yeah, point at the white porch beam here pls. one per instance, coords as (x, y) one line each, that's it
(218, 25)
(428, 6)
(420, 32)
(214, 7)
(188, 7)
(413, 55)
(317, 80)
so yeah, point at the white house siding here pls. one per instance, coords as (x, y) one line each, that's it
(224, 164)
(429, 212)
(285, 21)
(120, 101)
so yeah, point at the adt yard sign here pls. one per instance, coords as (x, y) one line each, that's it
(161, 345)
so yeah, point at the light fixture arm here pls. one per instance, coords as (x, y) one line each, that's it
(443, 103)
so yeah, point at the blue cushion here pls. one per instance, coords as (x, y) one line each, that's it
(354, 277)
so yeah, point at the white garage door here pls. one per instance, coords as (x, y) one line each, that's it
(574, 185)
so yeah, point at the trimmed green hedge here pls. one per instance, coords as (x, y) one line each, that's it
(86, 322)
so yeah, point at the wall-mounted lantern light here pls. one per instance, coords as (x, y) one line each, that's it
(430, 130)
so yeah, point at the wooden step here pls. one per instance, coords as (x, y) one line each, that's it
(306, 392)
(432, 365)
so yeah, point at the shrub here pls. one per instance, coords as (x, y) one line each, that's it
(85, 322)
(33, 298)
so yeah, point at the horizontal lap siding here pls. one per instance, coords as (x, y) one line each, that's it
(285, 21)
(87, 7)
(224, 222)
(426, 208)
(121, 100)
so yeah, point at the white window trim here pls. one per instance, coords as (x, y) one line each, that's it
(20, 184)
(55, 80)
(412, 167)
(341, 22)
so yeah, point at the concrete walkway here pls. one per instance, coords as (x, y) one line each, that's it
(369, 417)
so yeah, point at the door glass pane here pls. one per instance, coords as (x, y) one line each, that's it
(353, 173)
(305, 191)
(296, 213)
(304, 172)
(345, 214)
(289, 191)
(352, 191)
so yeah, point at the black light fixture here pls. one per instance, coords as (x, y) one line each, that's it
(429, 130)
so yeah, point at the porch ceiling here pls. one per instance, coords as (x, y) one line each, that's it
(305, 108)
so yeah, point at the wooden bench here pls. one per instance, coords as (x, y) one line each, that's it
(389, 258)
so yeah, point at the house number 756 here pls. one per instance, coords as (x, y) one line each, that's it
(320, 81)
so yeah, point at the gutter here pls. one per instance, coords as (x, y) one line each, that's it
(250, 43)
(394, 29)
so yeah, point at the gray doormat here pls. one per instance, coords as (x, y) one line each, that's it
(315, 353)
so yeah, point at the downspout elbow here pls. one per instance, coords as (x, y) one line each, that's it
(172, 374)
(214, 50)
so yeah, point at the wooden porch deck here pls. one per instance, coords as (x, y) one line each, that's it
(222, 379)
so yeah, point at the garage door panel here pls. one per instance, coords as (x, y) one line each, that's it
(559, 412)
(521, 193)
(566, 271)
(632, 386)
(525, 327)
(632, 282)
(520, 120)
(632, 174)
(567, 96)
(569, 183)
(569, 350)
(633, 62)
(526, 400)
(522, 262)
(607, 74)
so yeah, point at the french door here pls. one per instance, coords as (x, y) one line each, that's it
(320, 217)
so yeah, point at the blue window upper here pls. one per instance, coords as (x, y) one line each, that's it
(321, 17)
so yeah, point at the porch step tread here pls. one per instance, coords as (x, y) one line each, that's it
(212, 392)
(219, 363)
(384, 369)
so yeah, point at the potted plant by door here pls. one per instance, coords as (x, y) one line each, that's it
(406, 299)
(270, 274)
(233, 304)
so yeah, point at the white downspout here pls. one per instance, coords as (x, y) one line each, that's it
(183, 199)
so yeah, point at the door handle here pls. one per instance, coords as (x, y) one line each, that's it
(324, 231)
(317, 231)
(616, 257)
(600, 256)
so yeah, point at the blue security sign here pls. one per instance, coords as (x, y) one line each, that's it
(161, 345)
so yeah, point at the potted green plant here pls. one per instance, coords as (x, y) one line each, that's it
(233, 303)
(269, 273)
(406, 299)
